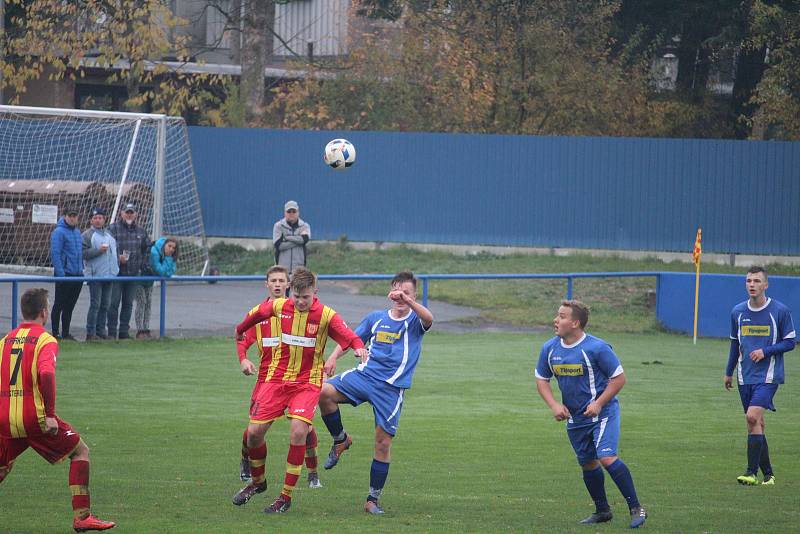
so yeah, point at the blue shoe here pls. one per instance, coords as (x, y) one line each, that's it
(597, 517)
(638, 516)
(372, 508)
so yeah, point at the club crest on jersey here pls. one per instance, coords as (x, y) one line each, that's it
(312, 328)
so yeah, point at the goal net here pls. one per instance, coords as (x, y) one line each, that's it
(52, 159)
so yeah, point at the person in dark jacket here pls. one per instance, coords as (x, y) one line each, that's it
(66, 253)
(133, 245)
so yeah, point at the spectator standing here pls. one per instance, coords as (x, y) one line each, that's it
(66, 255)
(161, 262)
(290, 236)
(132, 247)
(100, 255)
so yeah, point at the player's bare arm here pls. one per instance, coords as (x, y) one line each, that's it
(330, 363)
(560, 412)
(614, 386)
(424, 314)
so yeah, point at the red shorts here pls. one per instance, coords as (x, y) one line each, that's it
(51, 447)
(271, 399)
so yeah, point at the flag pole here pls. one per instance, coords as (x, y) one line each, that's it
(696, 298)
(696, 253)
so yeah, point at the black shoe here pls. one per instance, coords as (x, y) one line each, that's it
(91, 337)
(244, 470)
(281, 504)
(68, 337)
(247, 492)
(597, 517)
(124, 336)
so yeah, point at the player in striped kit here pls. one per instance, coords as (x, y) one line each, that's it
(28, 407)
(294, 376)
(761, 332)
(266, 336)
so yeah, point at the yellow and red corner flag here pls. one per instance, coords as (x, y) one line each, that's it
(698, 249)
(696, 253)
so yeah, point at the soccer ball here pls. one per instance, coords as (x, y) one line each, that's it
(340, 154)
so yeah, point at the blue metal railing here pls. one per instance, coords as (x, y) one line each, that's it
(424, 278)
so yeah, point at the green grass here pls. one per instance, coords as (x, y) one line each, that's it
(477, 450)
(624, 301)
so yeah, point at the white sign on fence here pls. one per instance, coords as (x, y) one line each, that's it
(44, 213)
(7, 215)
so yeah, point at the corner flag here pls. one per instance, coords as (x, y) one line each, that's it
(696, 253)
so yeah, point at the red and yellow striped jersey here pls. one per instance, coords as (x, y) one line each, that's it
(303, 335)
(267, 336)
(27, 380)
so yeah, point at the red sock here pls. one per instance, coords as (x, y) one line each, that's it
(79, 486)
(245, 453)
(258, 457)
(294, 464)
(311, 450)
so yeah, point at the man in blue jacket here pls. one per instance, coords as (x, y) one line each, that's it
(67, 256)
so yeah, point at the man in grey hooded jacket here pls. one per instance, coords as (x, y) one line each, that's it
(290, 236)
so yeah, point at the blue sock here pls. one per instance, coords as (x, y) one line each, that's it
(755, 443)
(377, 478)
(595, 483)
(621, 476)
(764, 463)
(333, 422)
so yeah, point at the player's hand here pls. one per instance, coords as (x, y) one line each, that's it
(362, 354)
(728, 381)
(50, 425)
(757, 355)
(561, 413)
(593, 409)
(330, 366)
(237, 335)
(397, 296)
(247, 367)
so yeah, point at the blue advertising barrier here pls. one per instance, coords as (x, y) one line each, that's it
(719, 293)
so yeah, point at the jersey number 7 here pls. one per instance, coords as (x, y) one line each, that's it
(17, 353)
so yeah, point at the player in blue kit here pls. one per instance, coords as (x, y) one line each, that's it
(589, 376)
(761, 331)
(394, 340)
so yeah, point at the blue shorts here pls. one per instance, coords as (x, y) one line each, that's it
(598, 440)
(758, 395)
(386, 399)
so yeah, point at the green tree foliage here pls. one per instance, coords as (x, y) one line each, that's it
(776, 27)
(496, 66)
(60, 39)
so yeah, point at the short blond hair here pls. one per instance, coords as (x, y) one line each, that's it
(302, 279)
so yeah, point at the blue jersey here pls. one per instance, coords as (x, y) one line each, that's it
(582, 371)
(760, 329)
(394, 346)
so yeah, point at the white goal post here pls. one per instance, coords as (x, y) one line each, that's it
(51, 159)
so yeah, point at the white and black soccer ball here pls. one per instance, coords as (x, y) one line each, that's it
(340, 154)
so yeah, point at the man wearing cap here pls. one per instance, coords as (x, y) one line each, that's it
(290, 235)
(65, 253)
(100, 256)
(132, 251)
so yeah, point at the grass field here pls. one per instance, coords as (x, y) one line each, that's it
(477, 451)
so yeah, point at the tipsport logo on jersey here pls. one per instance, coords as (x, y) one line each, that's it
(756, 330)
(568, 369)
